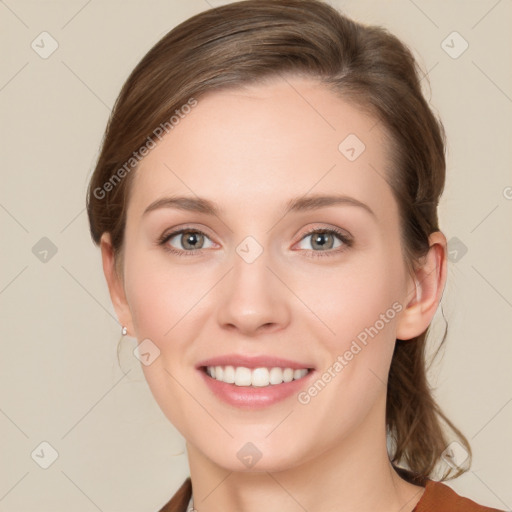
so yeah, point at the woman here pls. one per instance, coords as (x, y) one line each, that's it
(265, 201)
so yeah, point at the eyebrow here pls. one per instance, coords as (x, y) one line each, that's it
(298, 204)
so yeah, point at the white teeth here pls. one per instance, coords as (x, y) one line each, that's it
(258, 377)
(242, 376)
(288, 375)
(229, 375)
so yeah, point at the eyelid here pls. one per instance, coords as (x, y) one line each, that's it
(343, 234)
(169, 233)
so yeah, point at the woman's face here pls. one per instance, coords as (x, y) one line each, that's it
(256, 283)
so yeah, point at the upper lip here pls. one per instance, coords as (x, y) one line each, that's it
(262, 361)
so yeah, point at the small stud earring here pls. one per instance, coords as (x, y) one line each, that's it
(124, 331)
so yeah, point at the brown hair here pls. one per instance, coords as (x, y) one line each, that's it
(246, 42)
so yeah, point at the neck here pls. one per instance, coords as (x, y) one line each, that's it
(354, 476)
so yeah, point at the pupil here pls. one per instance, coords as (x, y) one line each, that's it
(191, 240)
(319, 239)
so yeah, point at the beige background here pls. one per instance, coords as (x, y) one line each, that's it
(60, 379)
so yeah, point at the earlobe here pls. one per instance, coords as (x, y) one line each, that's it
(115, 283)
(426, 290)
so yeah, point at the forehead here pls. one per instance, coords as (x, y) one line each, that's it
(256, 146)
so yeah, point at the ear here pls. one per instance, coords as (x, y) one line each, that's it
(425, 290)
(115, 283)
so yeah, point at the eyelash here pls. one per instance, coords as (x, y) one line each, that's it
(347, 242)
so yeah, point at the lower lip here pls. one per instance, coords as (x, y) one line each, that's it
(254, 397)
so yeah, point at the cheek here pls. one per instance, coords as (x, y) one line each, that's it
(360, 304)
(343, 300)
(160, 295)
(150, 303)
(165, 303)
(361, 308)
(170, 305)
(355, 296)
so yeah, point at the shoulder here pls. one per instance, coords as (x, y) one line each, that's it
(438, 497)
(179, 502)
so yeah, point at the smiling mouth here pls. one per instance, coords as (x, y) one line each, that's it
(254, 377)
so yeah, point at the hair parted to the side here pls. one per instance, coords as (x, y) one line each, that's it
(246, 42)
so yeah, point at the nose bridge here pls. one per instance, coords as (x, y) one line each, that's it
(252, 296)
(250, 267)
(251, 279)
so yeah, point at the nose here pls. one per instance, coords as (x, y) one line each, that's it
(253, 298)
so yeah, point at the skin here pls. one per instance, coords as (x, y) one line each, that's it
(250, 151)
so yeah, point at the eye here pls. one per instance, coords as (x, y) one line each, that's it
(325, 240)
(188, 241)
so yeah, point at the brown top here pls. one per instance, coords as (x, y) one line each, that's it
(437, 497)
